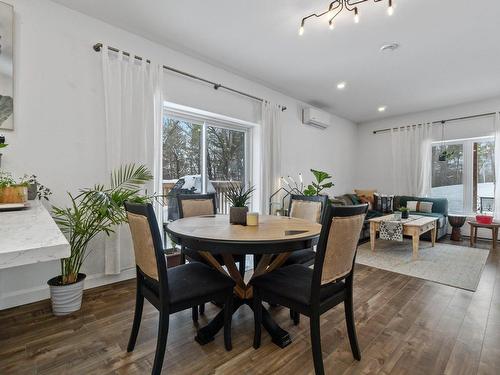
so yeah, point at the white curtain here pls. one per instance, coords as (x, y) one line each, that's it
(132, 97)
(270, 160)
(497, 165)
(412, 160)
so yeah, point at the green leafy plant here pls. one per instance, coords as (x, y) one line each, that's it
(42, 192)
(3, 145)
(446, 155)
(321, 183)
(98, 210)
(6, 179)
(404, 209)
(237, 195)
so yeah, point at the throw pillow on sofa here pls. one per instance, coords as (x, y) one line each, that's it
(416, 206)
(383, 203)
(367, 195)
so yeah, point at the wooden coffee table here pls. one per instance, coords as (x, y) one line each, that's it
(414, 228)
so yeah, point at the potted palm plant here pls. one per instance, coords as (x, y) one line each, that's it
(93, 211)
(239, 198)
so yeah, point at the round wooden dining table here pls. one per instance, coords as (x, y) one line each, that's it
(274, 239)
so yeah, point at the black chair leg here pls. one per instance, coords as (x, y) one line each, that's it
(316, 344)
(257, 318)
(295, 316)
(351, 326)
(139, 303)
(228, 316)
(161, 343)
(242, 266)
(194, 313)
(183, 256)
(202, 309)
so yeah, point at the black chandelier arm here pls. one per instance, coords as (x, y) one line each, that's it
(351, 5)
(336, 13)
(333, 5)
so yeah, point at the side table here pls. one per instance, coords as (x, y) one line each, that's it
(473, 231)
(456, 222)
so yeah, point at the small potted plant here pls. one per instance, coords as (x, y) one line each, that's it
(239, 198)
(35, 189)
(12, 191)
(405, 212)
(92, 211)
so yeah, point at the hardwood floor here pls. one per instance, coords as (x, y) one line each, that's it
(405, 326)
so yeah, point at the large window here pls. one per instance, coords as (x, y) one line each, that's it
(463, 172)
(202, 155)
(447, 175)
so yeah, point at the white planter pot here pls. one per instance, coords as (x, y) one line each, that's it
(66, 299)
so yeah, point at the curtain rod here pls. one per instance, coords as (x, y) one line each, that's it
(97, 47)
(438, 122)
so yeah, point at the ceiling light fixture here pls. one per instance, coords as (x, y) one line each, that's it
(338, 6)
(390, 10)
(389, 47)
(356, 15)
(382, 108)
(341, 85)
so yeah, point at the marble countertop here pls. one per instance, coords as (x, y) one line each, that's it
(30, 236)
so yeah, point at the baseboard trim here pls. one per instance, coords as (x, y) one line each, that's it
(39, 293)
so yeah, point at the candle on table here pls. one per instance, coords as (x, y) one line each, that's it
(252, 219)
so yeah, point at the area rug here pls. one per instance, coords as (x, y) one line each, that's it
(457, 266)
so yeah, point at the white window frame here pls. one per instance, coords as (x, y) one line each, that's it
(467, 166)
(206, 119)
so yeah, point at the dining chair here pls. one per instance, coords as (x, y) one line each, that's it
(310, 209)
(174, 289)
(200, 205)
(312, 292)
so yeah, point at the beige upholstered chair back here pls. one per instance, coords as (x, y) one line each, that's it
(341, 247)
(144, 250)
(307, 210)
(197, 207)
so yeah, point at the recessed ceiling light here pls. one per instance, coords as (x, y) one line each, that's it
(341, 85)
(382, 108)
(389, 47)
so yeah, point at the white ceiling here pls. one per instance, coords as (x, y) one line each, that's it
(450, 49)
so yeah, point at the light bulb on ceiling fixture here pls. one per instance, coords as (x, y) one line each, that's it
(356, 15)
(390, 10)
(341, 85)
(382, 108)
(301, 29)
(331, 25)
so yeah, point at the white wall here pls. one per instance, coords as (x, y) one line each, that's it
(59, 120)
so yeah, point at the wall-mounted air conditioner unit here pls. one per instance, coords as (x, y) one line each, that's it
(315, 117)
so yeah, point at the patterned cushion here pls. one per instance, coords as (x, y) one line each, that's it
(383, 203)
